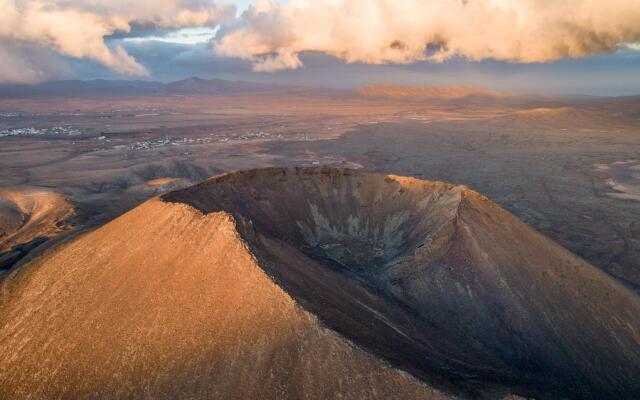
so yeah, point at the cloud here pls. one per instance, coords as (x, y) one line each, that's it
(78, 28)
(28, 63)
(273, 35)
(168, 61)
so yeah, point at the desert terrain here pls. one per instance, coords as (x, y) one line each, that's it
(564, 165)
(327, 199)
(208, 239)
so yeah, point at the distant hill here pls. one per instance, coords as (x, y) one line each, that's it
(216, 86)
(189, 86)
(78, 87)
(427, 93)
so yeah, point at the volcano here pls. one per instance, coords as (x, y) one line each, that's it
(317, 283)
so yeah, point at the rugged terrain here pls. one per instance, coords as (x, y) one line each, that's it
(28, 217)
(104, 145)
(316, 283)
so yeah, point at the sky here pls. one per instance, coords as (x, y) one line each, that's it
(551, 46)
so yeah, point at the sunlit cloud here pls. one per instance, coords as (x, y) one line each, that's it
(273, 35)
(407, 41)
(78, 28)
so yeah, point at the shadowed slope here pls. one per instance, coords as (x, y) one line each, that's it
(437, 279)
(167, 303)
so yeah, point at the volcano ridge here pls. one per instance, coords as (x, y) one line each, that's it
(485, 299)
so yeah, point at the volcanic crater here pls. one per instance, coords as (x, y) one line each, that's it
(370, 225)
(435, 278)
(316, 283)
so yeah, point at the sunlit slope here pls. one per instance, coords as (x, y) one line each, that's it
(165, 302)
(426, 93)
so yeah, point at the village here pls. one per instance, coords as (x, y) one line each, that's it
(31, 131)
(152, 144)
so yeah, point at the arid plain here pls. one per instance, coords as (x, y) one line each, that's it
(565, 165)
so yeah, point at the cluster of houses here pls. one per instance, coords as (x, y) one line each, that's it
(152, 144)
(249, 136)
(31, 131)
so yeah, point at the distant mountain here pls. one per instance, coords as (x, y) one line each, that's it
(189, 86)
(427, 93)
(217, 86)
(78, 87)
